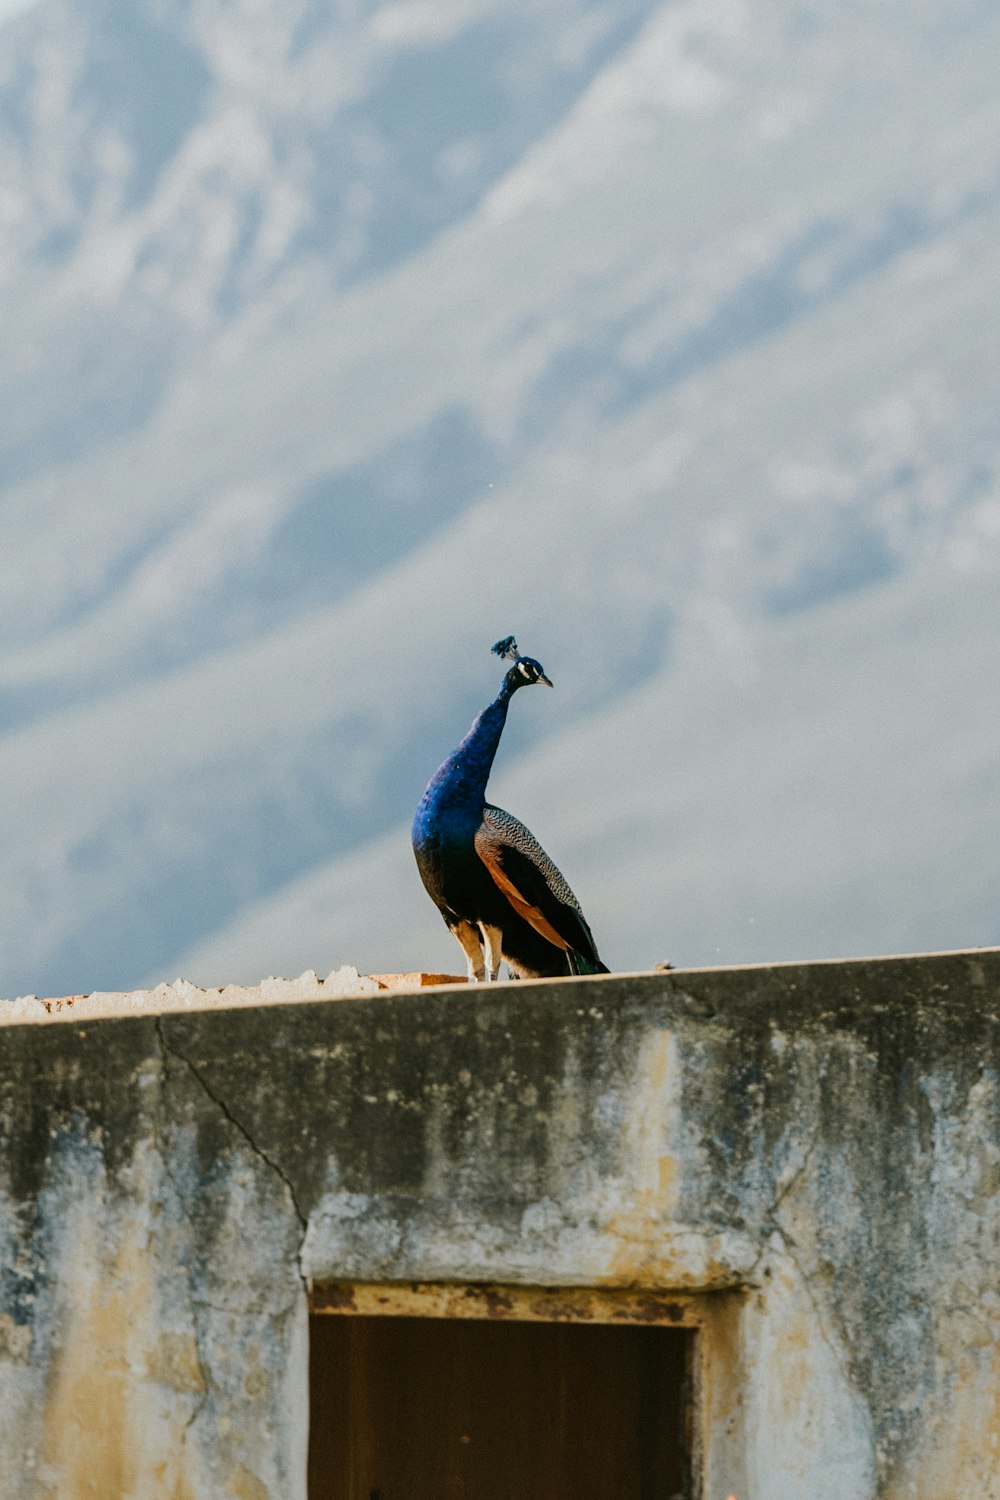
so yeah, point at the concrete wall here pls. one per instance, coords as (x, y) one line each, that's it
(810, 1155)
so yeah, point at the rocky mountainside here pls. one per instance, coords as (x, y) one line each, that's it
(342, 340)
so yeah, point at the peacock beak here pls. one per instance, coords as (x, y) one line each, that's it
(542, 678)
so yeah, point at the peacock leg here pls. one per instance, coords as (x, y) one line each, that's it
(492, 942)
(468, 936)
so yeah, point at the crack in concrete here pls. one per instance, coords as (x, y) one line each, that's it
(202, 1400)
(793, 1181)
(257, 1150)
(790, 1248)
(158, 1121)
(769, 1223)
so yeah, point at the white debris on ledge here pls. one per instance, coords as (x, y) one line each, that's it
(340, 984)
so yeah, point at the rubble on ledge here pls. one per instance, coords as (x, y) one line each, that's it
(345, 983)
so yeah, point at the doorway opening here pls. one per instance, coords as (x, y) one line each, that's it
(499, 1406)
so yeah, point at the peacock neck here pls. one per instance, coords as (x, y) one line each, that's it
(459, 786)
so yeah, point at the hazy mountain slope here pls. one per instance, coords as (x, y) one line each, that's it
(696, 333)
(669, 218)
(167, 168)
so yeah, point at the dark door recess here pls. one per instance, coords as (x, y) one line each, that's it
(454, 1409)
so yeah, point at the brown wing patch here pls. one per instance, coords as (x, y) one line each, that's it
(521, 905)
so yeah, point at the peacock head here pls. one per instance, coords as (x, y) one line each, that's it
(525, 671)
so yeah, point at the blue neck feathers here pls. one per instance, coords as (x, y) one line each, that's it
(456, 792)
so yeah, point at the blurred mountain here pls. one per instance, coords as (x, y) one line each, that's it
(341, 340)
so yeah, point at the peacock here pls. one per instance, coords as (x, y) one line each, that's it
(489, 877)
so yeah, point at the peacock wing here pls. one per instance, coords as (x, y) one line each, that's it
(534, 886)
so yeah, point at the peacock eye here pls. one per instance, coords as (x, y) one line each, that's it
(525, 670)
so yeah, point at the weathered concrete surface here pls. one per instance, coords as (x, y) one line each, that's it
(819, 1145)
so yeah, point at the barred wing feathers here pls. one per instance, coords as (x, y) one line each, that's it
(535, 888)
